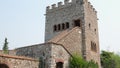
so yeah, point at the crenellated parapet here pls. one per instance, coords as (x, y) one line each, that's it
(60, 5)
(68, 3)
(91, 7)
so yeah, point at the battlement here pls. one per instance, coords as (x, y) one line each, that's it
(60, 5)
(91, 7)
(67, 3)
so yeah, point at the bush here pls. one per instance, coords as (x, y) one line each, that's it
(110, 60)
(76, 61)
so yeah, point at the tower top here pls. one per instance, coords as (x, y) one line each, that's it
(67, 3)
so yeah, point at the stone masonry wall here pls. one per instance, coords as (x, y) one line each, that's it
(35, 51)
(72, 41)
(91, 31)
(47, 53)
(70, 11)
(67, 12)
(18, 62)
(41, 52)
(59, 54)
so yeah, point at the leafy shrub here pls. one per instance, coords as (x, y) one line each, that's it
(76, 61)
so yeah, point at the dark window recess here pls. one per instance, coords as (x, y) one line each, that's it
(59, 27)
(77, 23)
(93, 47)
(67, 25)
(55, 28)
(95, 31)
(59, 65)
(63, 26)
(89, 25)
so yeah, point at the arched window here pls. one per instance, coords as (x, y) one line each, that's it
(67, 25)
(63, 26)
(77, 23)
(55, 28)
(59, 27)
(59, 65)
(93, 46)
(3, 66)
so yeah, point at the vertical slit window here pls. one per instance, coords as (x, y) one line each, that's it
(89, 25)
(63, 26)
(93, 46)
(95, 31)
(55, 28)
(59, 27)
(67, 25)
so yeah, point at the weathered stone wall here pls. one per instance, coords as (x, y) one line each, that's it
(48, 54)
(91, 33)
(35, 51)
(41, 52)
(59, 54)
(71, 40)
(18, 62)
(68, 12)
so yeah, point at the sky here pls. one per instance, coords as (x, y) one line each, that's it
(23, 22)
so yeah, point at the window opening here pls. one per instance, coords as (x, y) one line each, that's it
(89, 25)
(55, 28)
(63, 26)
(77, 23)
(59, 27)
(67, 25)
(95, 31)
(93, 47)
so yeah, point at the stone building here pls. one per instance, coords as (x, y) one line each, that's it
(63, 18)
(71, 28)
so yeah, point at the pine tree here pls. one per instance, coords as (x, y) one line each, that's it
(5, 47)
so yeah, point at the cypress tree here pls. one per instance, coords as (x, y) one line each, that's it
(5, 47)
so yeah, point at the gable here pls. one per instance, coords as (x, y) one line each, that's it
(71, 40)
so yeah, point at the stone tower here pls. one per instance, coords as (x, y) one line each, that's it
(78, 13)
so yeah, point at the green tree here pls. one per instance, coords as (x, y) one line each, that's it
(92, 64)
(116, 59)
(76, 61)
(5, 47)
(107, 60)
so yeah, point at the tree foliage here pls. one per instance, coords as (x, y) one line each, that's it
(116, 59)
(5, 46)
(110, 60)
(78, 62)
(92, 64)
